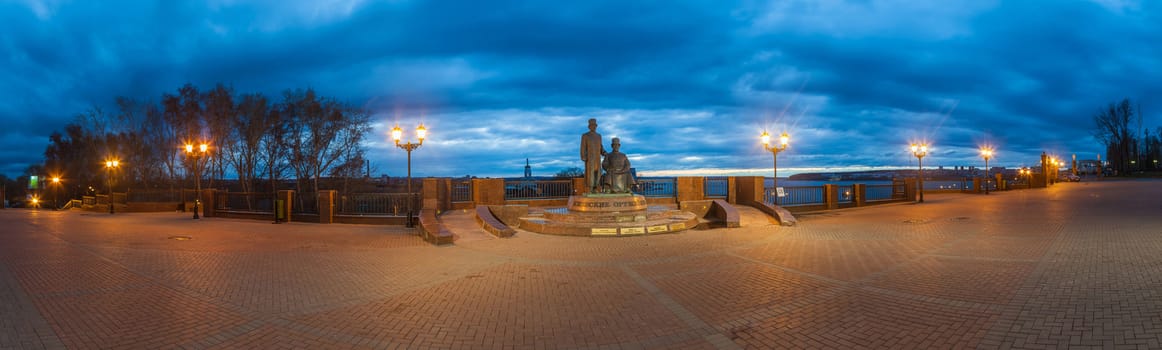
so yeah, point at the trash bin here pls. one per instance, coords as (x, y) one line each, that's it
(279, 209)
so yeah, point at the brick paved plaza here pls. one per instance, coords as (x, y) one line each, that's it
(1075, 265)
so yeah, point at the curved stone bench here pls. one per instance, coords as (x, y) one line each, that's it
(431, 229)
(490, 223)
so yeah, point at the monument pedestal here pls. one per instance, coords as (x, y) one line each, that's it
(608, 215)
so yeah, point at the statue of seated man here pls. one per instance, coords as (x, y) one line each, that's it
(617, 177)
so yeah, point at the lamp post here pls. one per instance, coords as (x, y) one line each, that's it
(56, 184)
(784, 140)
(986, 153)
(110, 165)
(396, 135)
(196, 154)
(920, 151)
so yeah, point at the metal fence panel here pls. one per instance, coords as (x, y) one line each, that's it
(462, 191)
(390, 204)
(154, 196)
(795, 195)
(262, 202)
(657, 187)
(305, 203)
(716, 187)
(844, 193)
(537, 189)
(880, 192)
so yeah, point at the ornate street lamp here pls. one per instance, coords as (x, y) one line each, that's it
(986, 153)
(110, 165)
(56, 184)
(196, 154)
(784, 140)
(920, 151)
(396, 135)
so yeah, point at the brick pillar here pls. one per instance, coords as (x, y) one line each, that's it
(830, 197)
(910, 189)
(286, 196)
(430, 195)
(976, 185)
(748, 189)
(579, 187)
(209, 207)
(731, 187)
(488, 191)
(691, 188)
(859, 195)
(326, 206)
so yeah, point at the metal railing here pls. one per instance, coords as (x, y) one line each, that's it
(261, 202)
(880, 192)
(537, 189)
(155, 196)
(844, 193)
(657, 187)
(461, 191)
(391, 204)
(305, 203)
(795, 195)
(716, 187)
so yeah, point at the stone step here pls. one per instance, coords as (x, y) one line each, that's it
(677, 221)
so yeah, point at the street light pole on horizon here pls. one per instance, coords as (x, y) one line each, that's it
(986, 153)
(784, 140)
(396, 135)
(110, 165)
(920, 151)
(197, 156)
(56, 184)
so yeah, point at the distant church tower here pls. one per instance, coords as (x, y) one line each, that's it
(528, 169)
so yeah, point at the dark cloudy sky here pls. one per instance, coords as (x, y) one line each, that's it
(687, 85)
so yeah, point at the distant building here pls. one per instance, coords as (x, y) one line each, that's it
(528, 169)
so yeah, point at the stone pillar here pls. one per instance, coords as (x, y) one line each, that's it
(286, 196)
(430, 195)
(488, 191)
(579, 187)
(1001, 183)
(859, 195)
(691, 188)
(976, 185)
(830, 196)
(910, 189)
(1045, 169)
(731, 189)
(748, 189)
(208, 207)
(326, 206)
(3, 197)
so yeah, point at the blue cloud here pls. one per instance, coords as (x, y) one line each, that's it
(688, 85)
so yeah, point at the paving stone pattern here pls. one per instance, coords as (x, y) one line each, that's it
(1078, 265)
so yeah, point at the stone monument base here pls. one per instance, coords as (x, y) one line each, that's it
(607, 203)
(608, 215)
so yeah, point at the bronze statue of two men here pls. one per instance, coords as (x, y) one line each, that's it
(617, 177)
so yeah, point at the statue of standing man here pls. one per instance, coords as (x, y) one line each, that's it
(591, 153)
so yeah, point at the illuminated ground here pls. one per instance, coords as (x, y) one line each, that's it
(1074, 265)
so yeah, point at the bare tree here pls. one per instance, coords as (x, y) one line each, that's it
(569, 173)
(218, 119)
(1113, 128)
(249, 125)
(323, 133)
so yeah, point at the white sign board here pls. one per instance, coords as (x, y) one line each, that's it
(780, 192)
